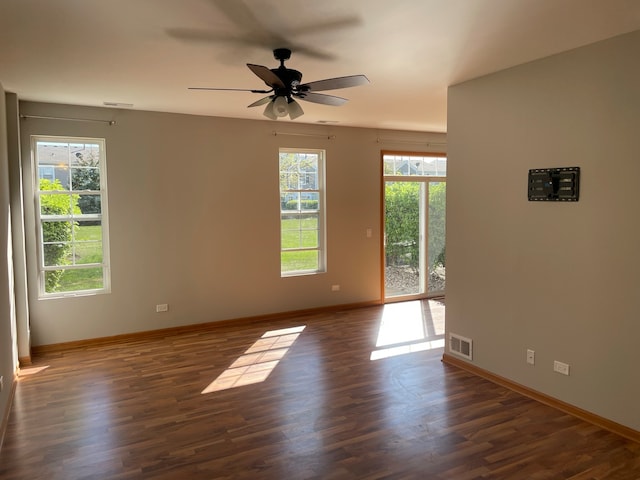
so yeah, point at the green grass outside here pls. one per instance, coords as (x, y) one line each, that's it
(295, 261)
(90, 252)
(299, 233)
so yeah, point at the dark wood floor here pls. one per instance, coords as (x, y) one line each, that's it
(304, 404)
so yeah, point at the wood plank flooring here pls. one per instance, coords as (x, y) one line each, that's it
(304, 404)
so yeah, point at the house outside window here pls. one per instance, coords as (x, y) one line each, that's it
(70, 187)
(302, 212)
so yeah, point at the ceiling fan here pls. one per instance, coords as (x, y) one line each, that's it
(285, 87)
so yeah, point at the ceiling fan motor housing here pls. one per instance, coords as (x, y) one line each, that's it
(291, 79)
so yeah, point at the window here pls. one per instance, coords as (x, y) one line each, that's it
(301, 212)
(431, 165)
(71, 201)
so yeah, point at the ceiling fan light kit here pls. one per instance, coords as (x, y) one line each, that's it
(284, 87)
(280, 106)
(268, 111)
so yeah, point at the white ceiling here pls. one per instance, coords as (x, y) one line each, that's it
(88, 52)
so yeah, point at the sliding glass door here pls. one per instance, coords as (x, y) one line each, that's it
(414, 220)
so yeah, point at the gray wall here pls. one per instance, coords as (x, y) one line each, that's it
(194, 220)
(21, 300)
(559, 278)
(8, 345)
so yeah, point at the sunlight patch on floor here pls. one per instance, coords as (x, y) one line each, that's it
(403, 330)
(401, 322)
(405, 349)
(255, 365)
(26, 371)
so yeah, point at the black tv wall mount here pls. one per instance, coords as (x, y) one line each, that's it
(554, 184)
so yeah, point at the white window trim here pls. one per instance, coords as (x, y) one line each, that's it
(103, 217)
(322, 216)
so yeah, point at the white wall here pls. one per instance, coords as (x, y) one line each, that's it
(194, 220)
(560, 278)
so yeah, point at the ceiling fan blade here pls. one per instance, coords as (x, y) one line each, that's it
(230, 89)
(320, 26)
(249, 39)
(238, 12)
(258, 34)
(295, 110)
(266, 75)
(207, 36)
(310, 52)
(251, 31)
(262, 101)
(322, 98)
(197, 35)
(334, 83)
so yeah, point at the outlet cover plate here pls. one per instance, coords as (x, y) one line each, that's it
(561, 367)
(531, 357)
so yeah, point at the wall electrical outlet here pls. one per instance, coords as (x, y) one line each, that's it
(531, 357)
(162, 307)
(335, 288)
(560, 367)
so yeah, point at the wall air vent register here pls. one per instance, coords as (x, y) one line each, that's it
(461, 346)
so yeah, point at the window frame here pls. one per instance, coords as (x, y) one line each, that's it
(321, 211)
(102, 217)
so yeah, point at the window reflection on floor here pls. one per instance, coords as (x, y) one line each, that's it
(408, 327)
(255, 365)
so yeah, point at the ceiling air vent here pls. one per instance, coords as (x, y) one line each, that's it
(118, 104)
(461, 346)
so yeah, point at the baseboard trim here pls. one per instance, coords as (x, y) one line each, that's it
(7, 412)
(585, 415)
(24, 361)
(126, 337)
